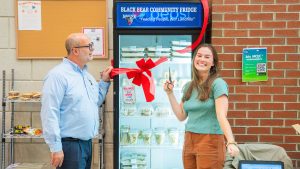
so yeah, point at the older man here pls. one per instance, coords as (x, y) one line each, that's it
(70, 102)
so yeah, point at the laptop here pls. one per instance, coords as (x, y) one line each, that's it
(252, 164)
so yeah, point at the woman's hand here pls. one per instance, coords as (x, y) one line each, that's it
(233, 150)
(168, 87)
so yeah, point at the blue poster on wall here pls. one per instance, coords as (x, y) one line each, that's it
(159, 15)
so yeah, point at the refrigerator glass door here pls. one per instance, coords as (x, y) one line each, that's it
(150, 136)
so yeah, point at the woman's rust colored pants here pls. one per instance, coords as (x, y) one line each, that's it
(203, 151)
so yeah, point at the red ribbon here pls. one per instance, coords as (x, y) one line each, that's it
(146, 80)
(205, 22)
(142, 75)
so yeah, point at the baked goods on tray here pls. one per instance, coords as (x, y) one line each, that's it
(27, 130)
(25, 96)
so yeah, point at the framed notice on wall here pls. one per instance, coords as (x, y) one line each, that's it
(96, 36)
(254, 65)
(29, 15)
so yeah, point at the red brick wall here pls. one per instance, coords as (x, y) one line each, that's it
(261, 111)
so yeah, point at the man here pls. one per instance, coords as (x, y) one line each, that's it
(70, 101)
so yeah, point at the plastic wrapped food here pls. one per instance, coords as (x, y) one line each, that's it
(124, 135)
(162, 110)
(38, 132)
(132, 49)
(173, 136)
(13, 95)
(22, 129)
(177, 54)
(140, 135)
(129, 110)
(158, 48)
(147, 136)
(131, 54)
(18, 131)
(158, 54)
(145, 109)
(159, 134)
(126, 159)
(133, 136)
(181, 43)
(133, 159)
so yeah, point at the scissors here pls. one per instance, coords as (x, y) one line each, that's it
(170, 79)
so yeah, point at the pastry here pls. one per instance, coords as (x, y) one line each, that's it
(36, 95)
(27, 95)
(13, 93)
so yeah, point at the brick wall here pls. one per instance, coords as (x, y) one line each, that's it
(261, 111)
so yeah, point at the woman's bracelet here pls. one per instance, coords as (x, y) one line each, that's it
(235, 143)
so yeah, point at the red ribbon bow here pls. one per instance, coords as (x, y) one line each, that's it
(142, 75)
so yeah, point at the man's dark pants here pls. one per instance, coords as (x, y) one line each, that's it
(77, 153)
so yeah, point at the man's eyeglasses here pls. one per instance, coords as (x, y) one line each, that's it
(90, 46)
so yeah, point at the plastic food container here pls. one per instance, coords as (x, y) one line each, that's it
(160, 135)
(147, 135)
(146, 109)
(173, 136)
(129, 110)
(162, 111)
(133, 136)
(124, 135)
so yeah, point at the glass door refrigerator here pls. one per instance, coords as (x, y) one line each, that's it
(147, 135)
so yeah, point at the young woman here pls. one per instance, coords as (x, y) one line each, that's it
(204, 104)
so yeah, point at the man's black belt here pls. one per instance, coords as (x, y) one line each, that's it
(70, 139)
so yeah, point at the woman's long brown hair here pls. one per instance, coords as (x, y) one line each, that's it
(203, 88)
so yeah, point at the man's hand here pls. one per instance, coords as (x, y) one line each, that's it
(105, 74)
(57, 158)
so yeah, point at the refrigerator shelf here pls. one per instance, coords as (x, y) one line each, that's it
(175, 60)
(22, 101)
(177, 147)
(9, 135)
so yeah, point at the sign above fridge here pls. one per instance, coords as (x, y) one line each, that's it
(159, 15)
